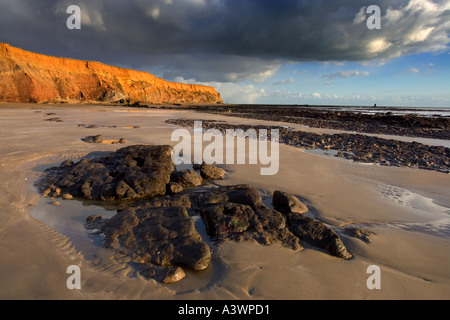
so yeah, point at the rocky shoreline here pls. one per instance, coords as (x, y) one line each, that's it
(154, 224)
(356, 147)
(381, 122)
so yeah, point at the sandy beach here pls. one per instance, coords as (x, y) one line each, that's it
(407, 209)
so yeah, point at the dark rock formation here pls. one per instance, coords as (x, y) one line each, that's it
(361, 234)
(356, 147)
(93, 139)
(163, 236)
(238, 213)
(210, 172)
(226, 218)
(382, 122)
(286, 202)
(131, 172)
(317, 234)
(187, 178)
(241, 194)
(174, 188)
(158, 232)
(55, 119)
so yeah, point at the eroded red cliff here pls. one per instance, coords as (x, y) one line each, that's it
(30, 77)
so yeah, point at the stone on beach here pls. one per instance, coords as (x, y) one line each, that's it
(317, 234)
(93, 139)
(174, 188)
(211, 172)
(131, 172)
(362, 234)
(67, 196)
(157, 230)
(237, 212)
(286, 202)
(163, 236)
(187, 178)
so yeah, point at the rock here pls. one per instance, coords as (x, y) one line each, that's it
(355, 147)
(46, 192)
(249, 197)
(241, 194)
(67, 196)
(210, 172)
(226, 218)
(174, 188)
(124, 191)
(286, 202)
(56, 192)
(120, 141)
(362, 234)
(55, 119)
(171, 275)
(187, 178)
(159, 236)
(317, 234)
(204, 199)
(128, 173)
(271, 228)
(93, 139)
(56, 203)
(167, 201)
(239, 221)
(270, 219)
(67, 163)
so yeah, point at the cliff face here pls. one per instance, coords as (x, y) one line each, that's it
(32, 77)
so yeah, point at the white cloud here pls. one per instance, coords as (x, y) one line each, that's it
(392, 16)
(414, 70)
(360, 17)
(378, 45)
(232, 92)
(418, 35)
(317, 95)
(154, 13)
(263, 76)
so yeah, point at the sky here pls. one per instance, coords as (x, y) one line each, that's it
(317, 52)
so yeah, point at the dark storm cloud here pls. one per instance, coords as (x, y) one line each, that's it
(225, 40)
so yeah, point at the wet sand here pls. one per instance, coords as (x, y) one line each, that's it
(407, 209)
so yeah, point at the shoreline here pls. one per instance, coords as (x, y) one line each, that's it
(340, 192)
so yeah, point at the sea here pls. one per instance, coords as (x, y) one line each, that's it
(431, 112)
